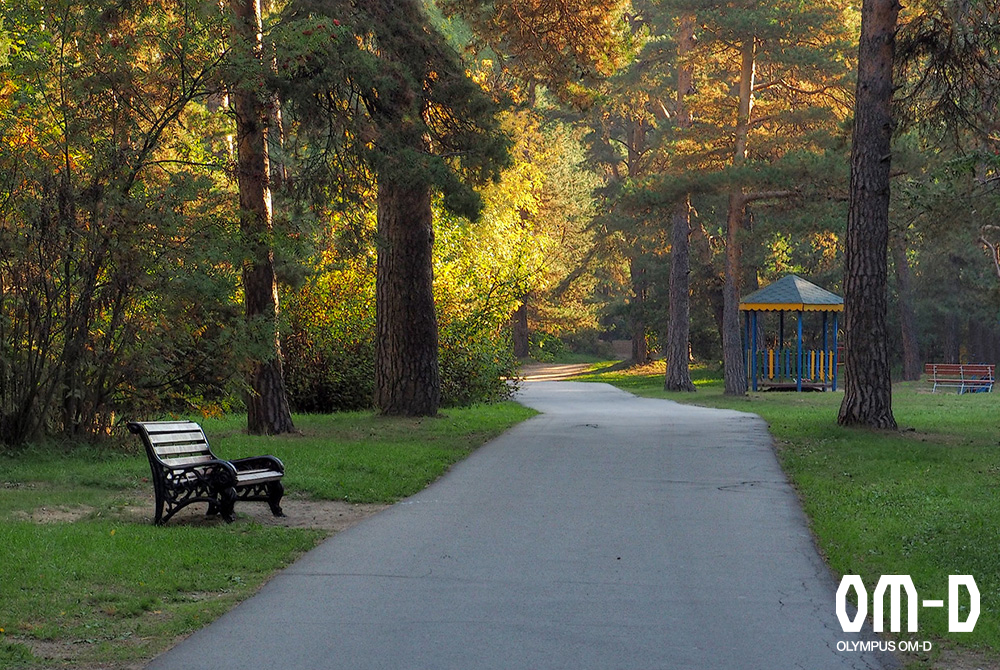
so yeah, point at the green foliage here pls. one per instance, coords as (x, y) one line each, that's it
(329, 344)
(563, 45)
(481, 272)
(948, 67)
(352, 73)
(115, 293)
(545, 347)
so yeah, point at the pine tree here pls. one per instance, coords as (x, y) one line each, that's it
(770, 83)
(868, 385)
(376, 84)
(267, 403)
(678, 373)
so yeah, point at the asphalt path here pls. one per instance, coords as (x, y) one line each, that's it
(609, 532)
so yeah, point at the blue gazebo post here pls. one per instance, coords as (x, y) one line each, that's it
(826, 349)
(753, 337)
(798, 384)
(780, 358)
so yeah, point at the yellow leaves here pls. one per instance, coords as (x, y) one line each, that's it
(8, 89)
(828, 245)
(482, 74)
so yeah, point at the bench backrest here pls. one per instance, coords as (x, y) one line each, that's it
(174, 443)
(959, 369)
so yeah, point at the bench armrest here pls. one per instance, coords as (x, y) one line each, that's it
(219, 473)
(259, 463)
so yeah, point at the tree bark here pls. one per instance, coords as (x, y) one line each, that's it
(678, 374)
(267, 404)
(636, 147)
(734, 370)
(640, 350)
(912, 364)
(407, 375)
(520, 327)
(868, 385)
(407, 378)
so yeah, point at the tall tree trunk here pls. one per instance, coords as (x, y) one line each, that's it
(868, 385)
(267, 404)
(912, 367)
(734, 370)
(407, 378)
(519, 325)
(407, 375)
(678, 374)
(640, 350)
(636, 146)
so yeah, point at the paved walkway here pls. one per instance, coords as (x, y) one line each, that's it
(610, 532)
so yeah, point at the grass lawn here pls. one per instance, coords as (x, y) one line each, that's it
(921, 501)
(105, 589)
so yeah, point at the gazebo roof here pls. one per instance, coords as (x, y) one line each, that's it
(792, 294)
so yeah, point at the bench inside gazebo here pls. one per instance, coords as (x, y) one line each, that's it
(772, 363)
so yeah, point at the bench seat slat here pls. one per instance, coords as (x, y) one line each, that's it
(167, 438)
(188, 460)
(153, 427)
(169, 449)
(257, 476)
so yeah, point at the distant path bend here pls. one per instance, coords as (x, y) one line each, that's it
(609, 532)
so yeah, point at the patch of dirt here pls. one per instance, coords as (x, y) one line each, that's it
(328, 515)
(55, 514)
(67, 654)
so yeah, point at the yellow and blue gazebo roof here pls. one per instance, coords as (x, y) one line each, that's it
(792, 294)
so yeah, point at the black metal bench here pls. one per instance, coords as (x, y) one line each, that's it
(186, 471)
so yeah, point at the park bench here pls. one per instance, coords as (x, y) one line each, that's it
(966, 377)
(186, 471)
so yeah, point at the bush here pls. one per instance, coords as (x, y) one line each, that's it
(329, 344)
(545, 347)
(475, 370)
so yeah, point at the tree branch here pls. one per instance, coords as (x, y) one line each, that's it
(768, 195)
(994, 251)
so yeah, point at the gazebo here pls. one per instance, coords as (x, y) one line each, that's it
(780, 367)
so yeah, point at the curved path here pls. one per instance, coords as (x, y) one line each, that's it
(608, 532)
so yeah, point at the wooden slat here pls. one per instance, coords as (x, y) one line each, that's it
(167, 450)
(166, 438)
(250, 476)
(170, 426)
(187, 460)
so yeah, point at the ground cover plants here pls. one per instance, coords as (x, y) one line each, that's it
(920, 501)
(96, 585)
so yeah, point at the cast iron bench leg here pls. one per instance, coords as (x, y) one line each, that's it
(274, 492)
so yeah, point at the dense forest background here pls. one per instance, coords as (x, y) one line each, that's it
(312, 204)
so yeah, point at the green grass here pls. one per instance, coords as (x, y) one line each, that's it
(921, 501)
(106, 588)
